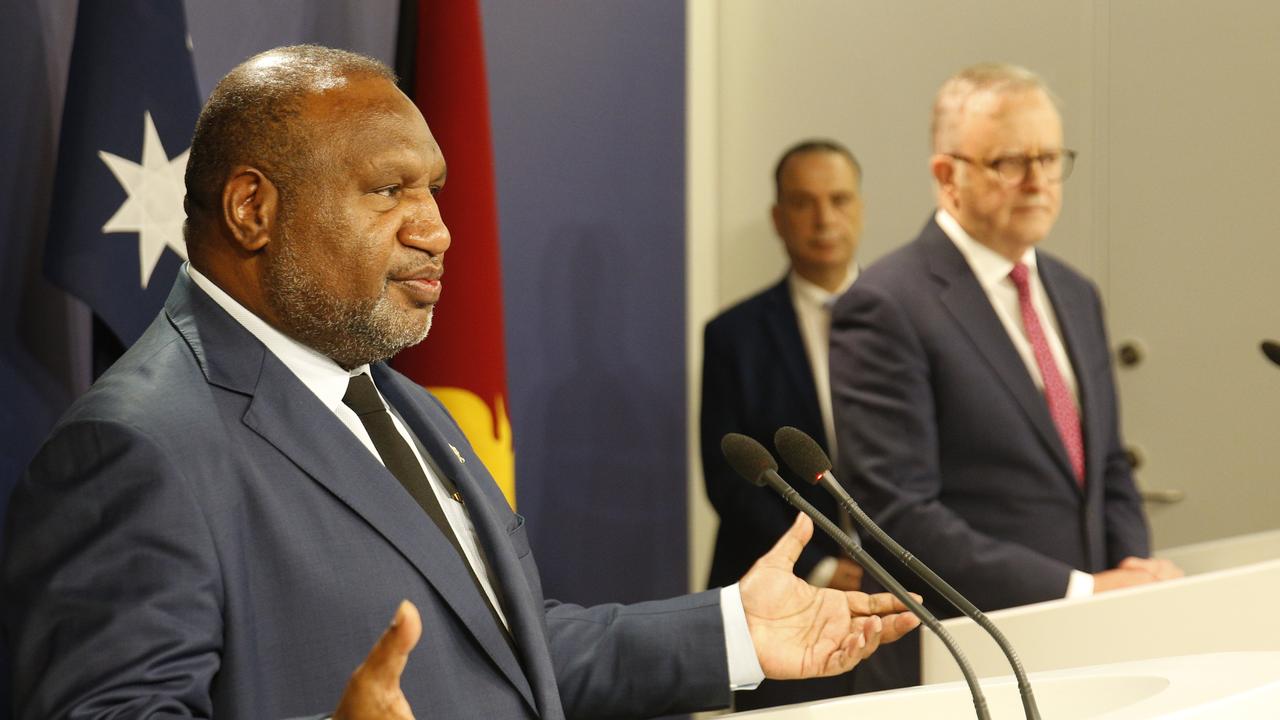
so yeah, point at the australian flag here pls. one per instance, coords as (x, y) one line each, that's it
(115, 236)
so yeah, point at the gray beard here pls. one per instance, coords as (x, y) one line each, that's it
(351, 332)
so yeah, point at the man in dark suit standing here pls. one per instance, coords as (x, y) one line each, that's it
(972, 381)
(221, 525)
(765, 366)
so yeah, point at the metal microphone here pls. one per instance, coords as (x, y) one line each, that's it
(753, 462)
(806, 458)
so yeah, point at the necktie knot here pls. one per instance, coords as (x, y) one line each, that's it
(362, 397)
(1020, 275)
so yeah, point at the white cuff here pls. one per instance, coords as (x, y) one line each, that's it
(821, 574)
(744, 666)
(1079, 585)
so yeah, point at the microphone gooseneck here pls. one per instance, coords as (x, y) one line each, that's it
(746, 455)
(807, 459)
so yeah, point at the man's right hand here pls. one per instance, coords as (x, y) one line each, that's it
(374, 689)
(800, 631)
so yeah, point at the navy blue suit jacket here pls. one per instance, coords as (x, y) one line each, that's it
(756, 378)
(201, 537)
(948, 444)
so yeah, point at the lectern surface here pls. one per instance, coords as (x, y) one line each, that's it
(1239, 686)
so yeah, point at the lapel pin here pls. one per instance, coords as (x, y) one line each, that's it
(457, 454)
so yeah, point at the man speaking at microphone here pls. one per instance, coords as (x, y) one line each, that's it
(971, 378)
(223, 524)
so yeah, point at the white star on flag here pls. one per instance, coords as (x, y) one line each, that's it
(154, 206)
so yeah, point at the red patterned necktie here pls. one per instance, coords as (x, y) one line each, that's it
(1062, 405)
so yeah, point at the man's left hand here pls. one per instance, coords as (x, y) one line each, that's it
(801, 631)
(1158, 568)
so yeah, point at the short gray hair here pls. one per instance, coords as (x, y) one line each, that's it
(954, 95)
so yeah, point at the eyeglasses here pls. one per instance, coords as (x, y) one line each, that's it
(1012, 169)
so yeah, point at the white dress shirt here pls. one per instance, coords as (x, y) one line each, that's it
(812, 304)
(328, 381)
(813, 314)
(992, 271)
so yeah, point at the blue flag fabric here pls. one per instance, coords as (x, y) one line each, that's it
(115, 234)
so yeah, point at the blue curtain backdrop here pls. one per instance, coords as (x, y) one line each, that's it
(588, 128)
(588, 122)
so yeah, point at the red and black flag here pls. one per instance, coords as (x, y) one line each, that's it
(441, 59)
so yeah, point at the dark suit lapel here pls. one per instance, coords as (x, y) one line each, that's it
(784, 332)
(293, 420)
(285, 413)
(968, 304)
(482, 497)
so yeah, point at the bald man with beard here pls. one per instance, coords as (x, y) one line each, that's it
(224, 523)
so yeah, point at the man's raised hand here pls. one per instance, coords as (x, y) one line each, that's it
(373, 692)
(802, 631)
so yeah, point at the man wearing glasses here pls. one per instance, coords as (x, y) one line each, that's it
(971, 380)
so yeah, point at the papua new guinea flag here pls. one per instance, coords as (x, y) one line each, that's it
(464, 362)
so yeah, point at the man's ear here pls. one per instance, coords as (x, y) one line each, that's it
(775, 213)
(943, 168)
(250, 203)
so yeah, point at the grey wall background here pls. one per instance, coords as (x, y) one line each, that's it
(1172, 107)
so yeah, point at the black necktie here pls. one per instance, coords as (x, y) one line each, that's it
(363, 398)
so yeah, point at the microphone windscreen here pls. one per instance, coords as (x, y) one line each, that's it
(1271, 349)
(801, 453)
(747, 457)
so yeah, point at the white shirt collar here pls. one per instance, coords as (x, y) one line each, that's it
(322, 375)
(989, 266)
(803, 291)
